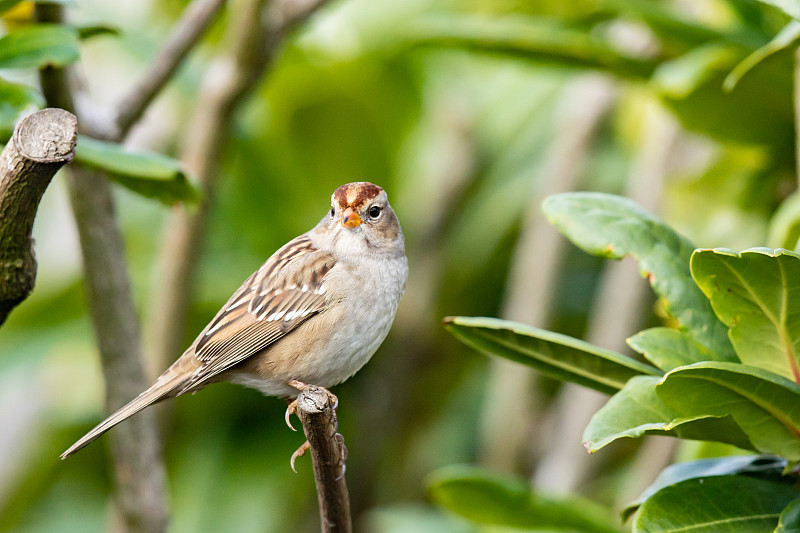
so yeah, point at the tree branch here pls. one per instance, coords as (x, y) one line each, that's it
(42, 143)
(328, 453)
(184, 36)
(139, 466)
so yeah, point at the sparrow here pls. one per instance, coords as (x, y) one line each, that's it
(314, 313)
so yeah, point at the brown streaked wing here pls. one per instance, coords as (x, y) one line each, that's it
(285, 292)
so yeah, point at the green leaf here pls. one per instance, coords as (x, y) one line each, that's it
(785, 38)
(16, 100)
(763, 467)
(790, 7)
(733, 504)
(537, 39)
(692, 87)
(669, 348)
(555, 355)
(755, 293)
(789, 521)
(87, 32)
(147, 173)
(612, 226)
(488, 498)
(39, 46)
(637, 410)
(764, 405)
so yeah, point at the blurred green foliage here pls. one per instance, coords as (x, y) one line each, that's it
(451, 106)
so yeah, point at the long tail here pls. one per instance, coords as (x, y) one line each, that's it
(163, 386)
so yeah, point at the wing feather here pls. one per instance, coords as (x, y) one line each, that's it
(286, 291)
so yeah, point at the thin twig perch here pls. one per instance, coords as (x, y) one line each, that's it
(42, 143)
(317, 412)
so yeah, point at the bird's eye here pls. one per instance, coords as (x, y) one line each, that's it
(333, 211)
(374, 211)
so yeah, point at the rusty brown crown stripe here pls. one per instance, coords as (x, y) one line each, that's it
(355, 194)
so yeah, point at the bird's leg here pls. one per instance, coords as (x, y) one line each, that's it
(292, 409)
(300, 386)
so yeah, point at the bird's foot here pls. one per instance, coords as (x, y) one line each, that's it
(292, 409)
(300, 386)
(299, 452)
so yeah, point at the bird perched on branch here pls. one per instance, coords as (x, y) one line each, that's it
(314, 313)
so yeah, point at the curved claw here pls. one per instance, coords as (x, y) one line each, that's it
(299, 452)
(343, 455)
(290, 410)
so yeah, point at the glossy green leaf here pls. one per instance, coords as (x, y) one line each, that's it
(637, 410)
(785, 38)
(39, 46)
(764, 405)
(755, 293)
(537, 39)
(669, 348)
(789, 521)
(733, 504)
(790, 7)
(558, 356)
(487, 498)
(763, 467)
(612, 226)
(16, 100)
(147, 173)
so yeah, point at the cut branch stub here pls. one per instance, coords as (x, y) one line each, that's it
(316, 408)
(42, 143)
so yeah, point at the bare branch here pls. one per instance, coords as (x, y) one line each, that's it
(184, 36)
(42, 143)
(139, 466)
(284, 16)
(136, 446)
(328, 453)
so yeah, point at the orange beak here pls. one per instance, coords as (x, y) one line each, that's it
(350, 218)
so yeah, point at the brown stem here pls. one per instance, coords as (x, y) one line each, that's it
(184, 36)
(136, 447)
(138, 464)
(328, 453)
(42, 143)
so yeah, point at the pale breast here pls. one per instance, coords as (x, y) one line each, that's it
(334, 344)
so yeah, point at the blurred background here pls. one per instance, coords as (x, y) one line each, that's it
(468, 113)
